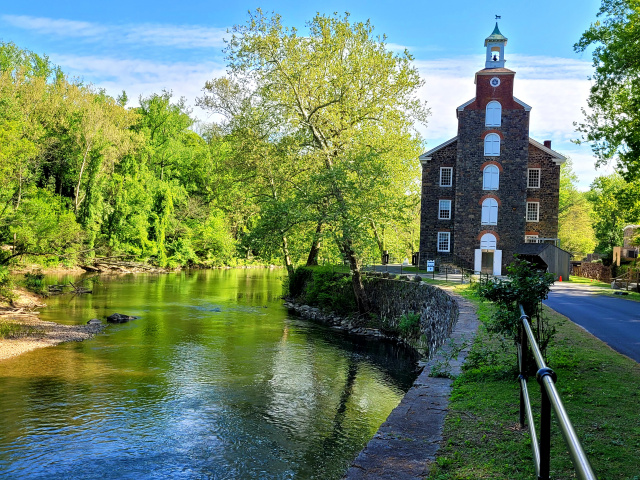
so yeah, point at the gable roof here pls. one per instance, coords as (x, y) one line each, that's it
(425, 157)
(527, 108)
(556, 157)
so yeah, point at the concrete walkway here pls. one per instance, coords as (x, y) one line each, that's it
(407, 442)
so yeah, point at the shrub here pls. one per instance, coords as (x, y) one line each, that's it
(321, 287)
(526, 286)
(409, 325)
(35, 282)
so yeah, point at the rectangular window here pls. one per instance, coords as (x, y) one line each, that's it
(534, 178)
(533, 211)
(531, 239)
(446, 176)
(443, 241)
(444, 210)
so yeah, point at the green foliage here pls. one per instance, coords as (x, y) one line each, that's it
(321, 287)
(525, 286)
(326, 162)
(5, 284)
(611, 123)
(409, 325)
(575, 229)
(35, 282)
(615, 203)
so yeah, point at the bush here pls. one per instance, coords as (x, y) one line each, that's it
(409, 325)
(321, 287)
(526, 286)
(35, 282)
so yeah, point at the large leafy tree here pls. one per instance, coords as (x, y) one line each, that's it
(613, 122)
(346, 107)
(575, 229)
(616, 203)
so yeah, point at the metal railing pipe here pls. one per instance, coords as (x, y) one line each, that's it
(546, 378)
(576, 452)
(532, 431)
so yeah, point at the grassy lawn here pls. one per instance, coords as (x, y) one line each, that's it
(600, 390)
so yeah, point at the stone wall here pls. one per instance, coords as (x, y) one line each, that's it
(438, 311)
(597, 271)
(390, 299)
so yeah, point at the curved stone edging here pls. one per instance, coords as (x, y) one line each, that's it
(407, 442)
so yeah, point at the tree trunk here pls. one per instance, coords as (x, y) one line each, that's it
(315, 246)
(287, 257)
(379, 238)
(356, 278)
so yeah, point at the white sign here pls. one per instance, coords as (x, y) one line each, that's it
(430, 265)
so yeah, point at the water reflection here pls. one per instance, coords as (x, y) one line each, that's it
(207, 383)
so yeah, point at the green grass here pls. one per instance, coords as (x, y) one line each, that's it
(590, 281)
(10, 329)
(599, 389)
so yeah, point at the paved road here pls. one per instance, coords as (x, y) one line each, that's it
(615, 321)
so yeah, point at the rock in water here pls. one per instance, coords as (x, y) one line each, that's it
(119, 318)
(94, 321)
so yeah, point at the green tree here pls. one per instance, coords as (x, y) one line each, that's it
(575, 229)
(348, 105)
(616, 203)
(612, 123)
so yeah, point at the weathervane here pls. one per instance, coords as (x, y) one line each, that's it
(498, 17)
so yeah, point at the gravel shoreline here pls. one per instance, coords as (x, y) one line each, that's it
(39, 333)
(45, 334)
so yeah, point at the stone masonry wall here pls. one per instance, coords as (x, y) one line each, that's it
(548, 194)
(432, 193)
(390, 299)
(438, 311)
(511, 194)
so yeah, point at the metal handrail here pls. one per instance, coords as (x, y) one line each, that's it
(550, 399)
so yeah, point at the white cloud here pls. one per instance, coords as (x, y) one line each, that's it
(142, 77)
(179, 36)
(51, 26)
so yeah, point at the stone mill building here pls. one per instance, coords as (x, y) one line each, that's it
(491, 188)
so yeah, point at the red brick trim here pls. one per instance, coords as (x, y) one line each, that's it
(490, 195)
(534, 165)
(531, 233)
(491, 162)
(533, 200)
(444, 230)
(493, 130)
(481, 234)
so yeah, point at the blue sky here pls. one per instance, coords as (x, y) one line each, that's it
(144, 47)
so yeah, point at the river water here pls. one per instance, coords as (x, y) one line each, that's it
(215, 380)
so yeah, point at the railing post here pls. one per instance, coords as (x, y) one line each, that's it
(522, 364)
(545, 423)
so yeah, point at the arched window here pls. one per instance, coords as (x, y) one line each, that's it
(493, 117)
(489, 212)
(490, 178)
(488, 242)
(492, 145)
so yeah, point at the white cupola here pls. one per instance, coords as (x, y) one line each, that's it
(495, 44)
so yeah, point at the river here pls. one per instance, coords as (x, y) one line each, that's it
(215, 380)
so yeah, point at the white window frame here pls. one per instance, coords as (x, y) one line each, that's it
(529, 178)
(530, 218)
(490, 177)
(489, 214)
(444, 237)
(450, 170)
(493, 114)
(492, 145)
(444, 206)
(531, 238)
